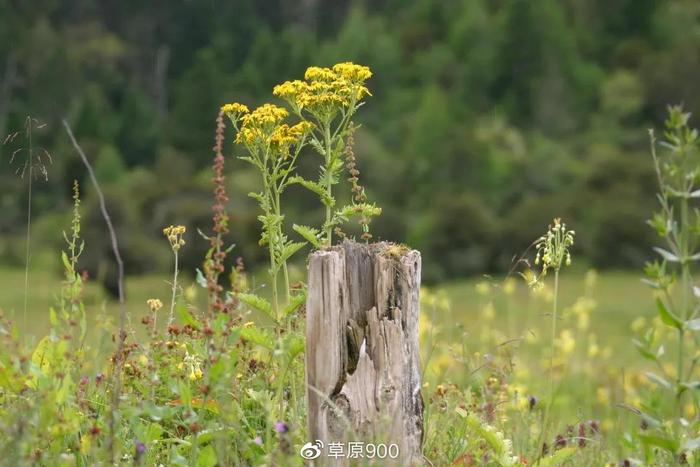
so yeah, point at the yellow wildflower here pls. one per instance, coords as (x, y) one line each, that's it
(553, 247)
(489, 311)
(193, 364)
(325, 90)
(689, 410)
(284, 136)
(195, 374)
(583, 321)
(175, 234)
(85, 444)
(509, 286)
(483, 288)
(566, 342)
(315, 73)
(522, 403)
(352, 72)
(234, 108)
(592, 346)
(638, 324)
(154, 304)
(259, 126)
(266, 114)
(292, 91)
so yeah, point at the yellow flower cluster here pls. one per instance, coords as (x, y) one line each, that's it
(264, 126)
(284, 136)
(174, 235)
(260, 124)
(315, 73)
(154, 304)
(325, 89)
(192, 364)
(553, 247)
(234, 109)
(353, 72)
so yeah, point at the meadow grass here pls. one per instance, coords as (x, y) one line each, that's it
(621, 298)
(517, 321)
(473, 332)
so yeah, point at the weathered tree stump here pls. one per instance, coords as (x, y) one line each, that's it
(362, 361)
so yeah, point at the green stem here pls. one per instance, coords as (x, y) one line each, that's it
(550, 402)
(29, 223)
(685, 279)
(172, 299)
(285, 270)
(554, 335)
(273, 277)
(27, 240)
(271, 235)
(329, 179)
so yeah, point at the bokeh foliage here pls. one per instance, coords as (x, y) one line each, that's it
(488, 117)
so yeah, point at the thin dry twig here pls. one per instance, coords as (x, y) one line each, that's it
(120, 266)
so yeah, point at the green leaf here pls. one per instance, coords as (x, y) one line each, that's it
(153, 432)
(316, 187)
(257, 196)
(293, 345)
(661, 441)
(289, 250)
(644, 351)
(557, 458)
(66, 261)
(258, 336)
(207, 457)
(256, 302)
(667, 255)
(53, 318)
(660, 380)
(176, 458)
(309, 233)
(42, 354)
(691, 445)
(666, 316)
(295, 303)
(185, 393)
(650, 421)
(249, 160)
(688, 385)
(83, 322)
(65, 389)
(317, 146)
(201, 280)
(185, 316)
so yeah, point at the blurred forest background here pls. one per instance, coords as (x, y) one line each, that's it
(489, 117)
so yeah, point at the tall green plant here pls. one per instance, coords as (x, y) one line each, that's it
(327, 98)
(34, 163)
(273, 148)
(677, 222)
(552, 253)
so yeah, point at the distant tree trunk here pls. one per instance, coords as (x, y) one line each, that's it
(6, 88)
(160, 81)
(362, 361)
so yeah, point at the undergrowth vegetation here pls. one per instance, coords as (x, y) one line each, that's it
(222, 383)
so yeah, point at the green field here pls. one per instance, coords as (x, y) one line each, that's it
(620, 298)
(475, 333)
(461, 322)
